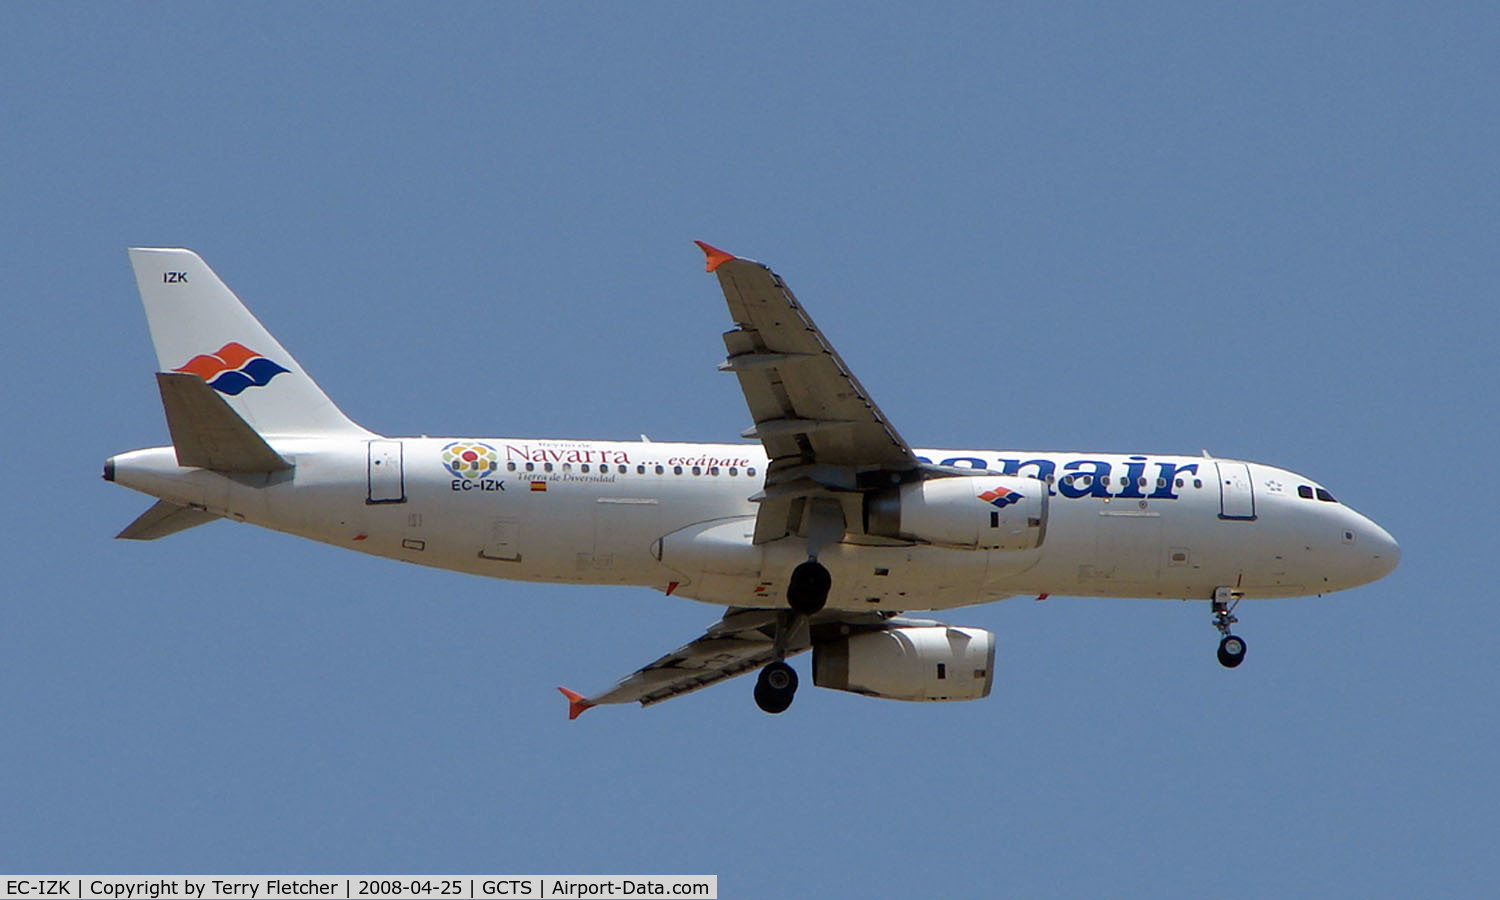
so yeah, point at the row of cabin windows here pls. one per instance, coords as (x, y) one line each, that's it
(1307, 492)
(605, 469)
(1086, 480)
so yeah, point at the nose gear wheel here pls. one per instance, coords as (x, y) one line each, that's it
(1231, 646)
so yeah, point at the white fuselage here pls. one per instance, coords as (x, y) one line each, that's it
(678, 518)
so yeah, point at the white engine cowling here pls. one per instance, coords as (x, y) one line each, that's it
(983, 512)
(918, 662)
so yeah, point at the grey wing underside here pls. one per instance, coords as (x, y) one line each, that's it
(741, 641)
(819, 426)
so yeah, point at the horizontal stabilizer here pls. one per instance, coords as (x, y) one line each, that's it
(162, 519)
(207, 433)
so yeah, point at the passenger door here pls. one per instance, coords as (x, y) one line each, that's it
(1236, 492)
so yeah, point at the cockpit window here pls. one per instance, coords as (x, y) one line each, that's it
(1305, 491)
(1325, 496)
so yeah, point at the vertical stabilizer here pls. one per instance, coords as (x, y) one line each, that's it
(200, 327)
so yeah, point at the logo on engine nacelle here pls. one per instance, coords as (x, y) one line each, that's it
(1000, 497)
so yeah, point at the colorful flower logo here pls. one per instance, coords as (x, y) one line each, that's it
(470, 459)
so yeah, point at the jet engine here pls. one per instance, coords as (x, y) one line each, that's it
(914, 662)
(973, 512)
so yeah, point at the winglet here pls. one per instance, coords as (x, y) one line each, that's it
(576, 703)
(716, 257)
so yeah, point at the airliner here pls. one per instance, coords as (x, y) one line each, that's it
(822, 529)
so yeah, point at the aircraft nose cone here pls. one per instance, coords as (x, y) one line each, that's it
(1384, 552)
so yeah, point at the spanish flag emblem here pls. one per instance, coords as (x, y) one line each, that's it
(539, 485)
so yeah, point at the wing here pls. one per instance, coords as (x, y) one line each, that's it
(819, 426)
(741, 641)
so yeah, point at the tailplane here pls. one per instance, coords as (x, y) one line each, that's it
(202, 329)
(163, 519)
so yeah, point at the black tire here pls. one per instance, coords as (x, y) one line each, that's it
(1231, 651)
(807, 589)
(775, 687)
(771, 702)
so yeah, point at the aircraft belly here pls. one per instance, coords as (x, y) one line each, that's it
(908, 577)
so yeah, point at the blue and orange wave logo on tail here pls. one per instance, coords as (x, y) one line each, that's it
(1000, 497)
(233, 368)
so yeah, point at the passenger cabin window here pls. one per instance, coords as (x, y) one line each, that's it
(1325, 496)
(677, 470)
(1305, 491)
(640, 470)
(659, 470)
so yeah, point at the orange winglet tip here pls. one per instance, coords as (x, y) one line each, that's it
(715, 256)
(576, 703)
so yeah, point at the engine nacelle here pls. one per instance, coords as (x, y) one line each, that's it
(914, 662)
(975, 512)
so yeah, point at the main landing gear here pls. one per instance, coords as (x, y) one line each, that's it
(775, 687)
(806, 594)
(807, 589)
(1231, 646)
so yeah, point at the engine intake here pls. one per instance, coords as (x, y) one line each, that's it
(974, 512)
(916, 662)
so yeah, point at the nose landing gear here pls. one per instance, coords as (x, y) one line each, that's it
(1231, 646)
(1231, 651)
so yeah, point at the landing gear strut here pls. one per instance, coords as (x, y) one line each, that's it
(777, 683)
(1231, 646)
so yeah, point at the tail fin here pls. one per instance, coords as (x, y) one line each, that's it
(200, 327)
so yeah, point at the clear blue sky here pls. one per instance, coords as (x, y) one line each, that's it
(1267, 230)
